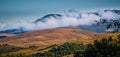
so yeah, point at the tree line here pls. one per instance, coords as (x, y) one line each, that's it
(106, 47)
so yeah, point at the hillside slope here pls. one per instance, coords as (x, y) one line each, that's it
(47, 37)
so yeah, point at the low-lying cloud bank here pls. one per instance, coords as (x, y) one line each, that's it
(70, 18)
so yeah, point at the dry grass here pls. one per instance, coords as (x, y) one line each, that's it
(47, 37)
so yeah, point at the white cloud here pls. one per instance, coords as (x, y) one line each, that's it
(71, 18)
(108, 15)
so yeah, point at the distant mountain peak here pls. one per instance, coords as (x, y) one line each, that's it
(43, 19)
(69, 18)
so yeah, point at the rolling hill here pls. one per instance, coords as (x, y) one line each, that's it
(48, 37)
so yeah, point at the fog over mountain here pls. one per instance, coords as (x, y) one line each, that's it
(71, 18)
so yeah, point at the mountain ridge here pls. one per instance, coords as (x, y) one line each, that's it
(70, 13)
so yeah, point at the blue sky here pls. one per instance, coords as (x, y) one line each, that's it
(14, 10)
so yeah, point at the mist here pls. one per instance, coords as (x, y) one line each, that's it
(70, 18)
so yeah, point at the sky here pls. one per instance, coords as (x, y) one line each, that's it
(14, 11)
